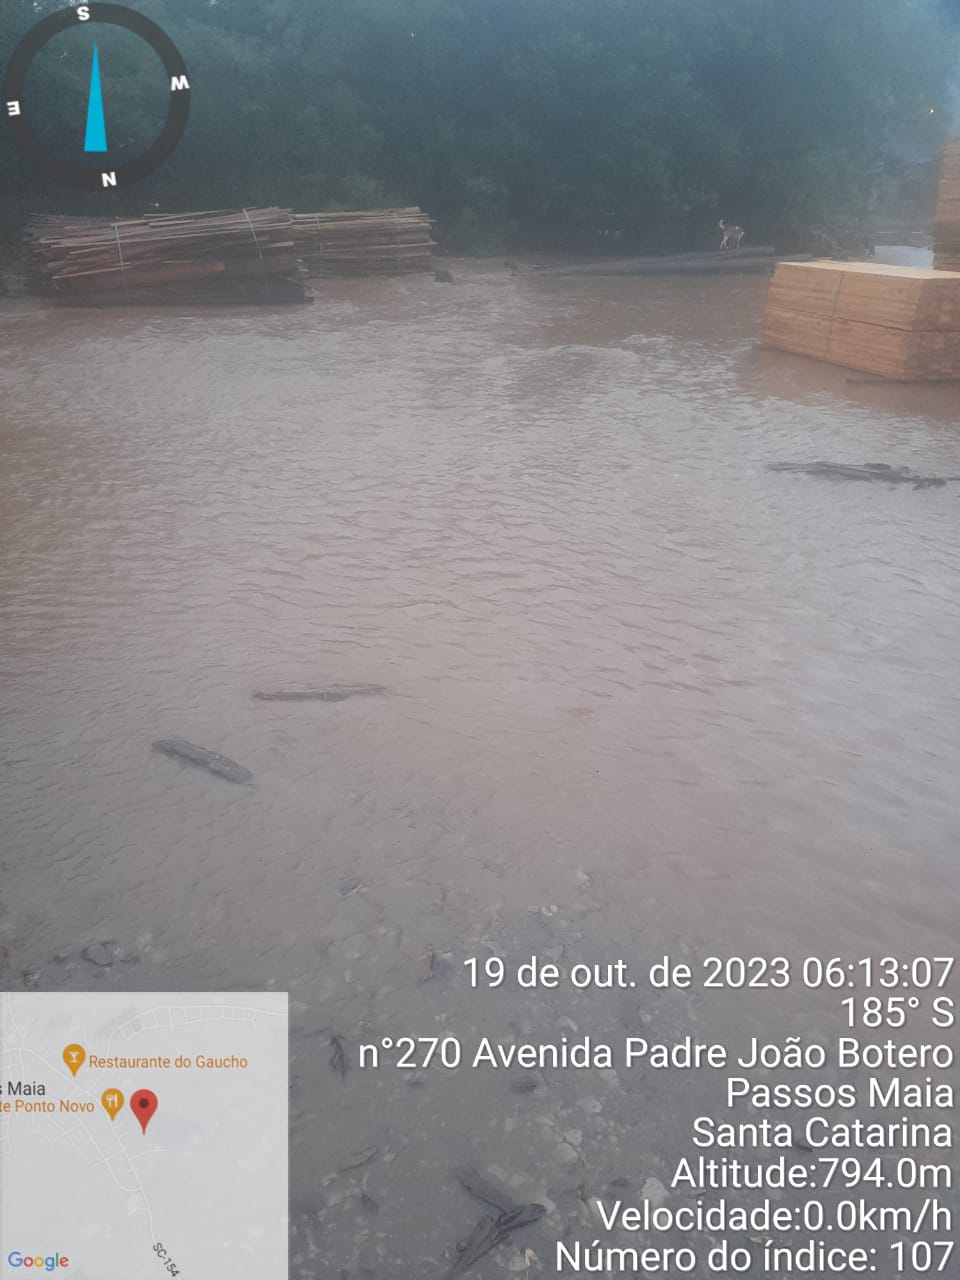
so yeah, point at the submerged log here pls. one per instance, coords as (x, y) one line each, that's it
(489, 1232)
(223, 766)
(477, 1185)
(866, 471)
(330, 693)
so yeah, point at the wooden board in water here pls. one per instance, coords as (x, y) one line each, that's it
(894, 353)
(946, 219)
(796, 288)
(890, 353)
(802, 332)
(896, 302)
(909, 298)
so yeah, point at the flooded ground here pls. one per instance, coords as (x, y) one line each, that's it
(645, 697)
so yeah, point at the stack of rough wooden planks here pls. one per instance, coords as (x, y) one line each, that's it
(220, 256)
(946, 220)
(373, 242)
(897, 322)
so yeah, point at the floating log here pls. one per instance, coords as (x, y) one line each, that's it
(219, 256)
(332, 693)
(865, 471)
(731, 262)
(364, 242)
(223, 766)
(898, 322)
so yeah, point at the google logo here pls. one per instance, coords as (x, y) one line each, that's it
(50, 1263)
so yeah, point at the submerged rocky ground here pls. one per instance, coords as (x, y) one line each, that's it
(646, 699)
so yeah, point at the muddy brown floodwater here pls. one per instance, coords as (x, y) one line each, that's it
(645, 697)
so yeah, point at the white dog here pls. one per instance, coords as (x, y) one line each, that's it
(732, 235)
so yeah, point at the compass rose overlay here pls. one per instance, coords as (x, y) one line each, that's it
(83, 177)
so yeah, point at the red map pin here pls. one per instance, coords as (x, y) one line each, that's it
(143, 1104)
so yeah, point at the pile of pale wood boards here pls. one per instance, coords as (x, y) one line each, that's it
(218, 256)
(373, 242)
(946, 220)
(896, 322)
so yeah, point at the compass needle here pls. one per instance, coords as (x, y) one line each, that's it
(96, 136)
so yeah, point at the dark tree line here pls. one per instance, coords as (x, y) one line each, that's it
(541, 121)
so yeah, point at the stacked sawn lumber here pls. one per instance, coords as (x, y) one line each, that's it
(222, 256)
(946, 220)
(373, 242)
(897, 322)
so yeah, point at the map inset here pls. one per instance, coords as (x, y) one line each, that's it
(143, 1135)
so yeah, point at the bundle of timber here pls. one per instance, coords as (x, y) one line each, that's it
(946, 220)
(221, 256)
(897, 322)
(374, 242)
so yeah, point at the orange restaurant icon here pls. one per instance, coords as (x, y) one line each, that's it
(112, 1100)
(74, 1055)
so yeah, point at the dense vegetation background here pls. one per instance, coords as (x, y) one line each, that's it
(538, 121)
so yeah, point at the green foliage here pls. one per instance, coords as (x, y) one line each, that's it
(539, 120)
